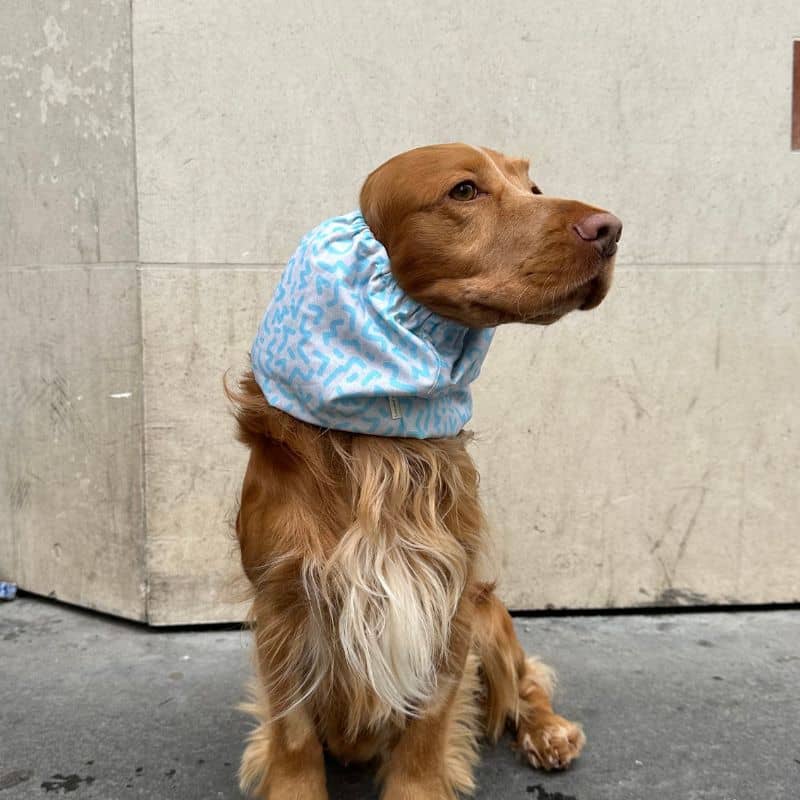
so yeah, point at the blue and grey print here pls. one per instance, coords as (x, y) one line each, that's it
(342, 346)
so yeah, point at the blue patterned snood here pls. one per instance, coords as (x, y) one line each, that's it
(343, 346)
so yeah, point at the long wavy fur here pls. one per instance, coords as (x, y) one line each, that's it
(381, 595)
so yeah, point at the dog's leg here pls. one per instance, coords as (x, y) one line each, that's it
(519, 689)
(417, 767)
(283, 759)
(434, 757)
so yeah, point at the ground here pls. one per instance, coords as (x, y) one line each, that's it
(675, 707)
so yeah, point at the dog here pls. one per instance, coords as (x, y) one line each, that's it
(360, 526)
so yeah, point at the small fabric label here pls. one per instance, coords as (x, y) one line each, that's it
(394, 407)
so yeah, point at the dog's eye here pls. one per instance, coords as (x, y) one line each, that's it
(535, 189)
(466, 190)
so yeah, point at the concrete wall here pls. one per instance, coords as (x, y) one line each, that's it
(71, 390)
(646, 453)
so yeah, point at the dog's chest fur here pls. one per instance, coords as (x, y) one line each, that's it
(382, 595)
(380, 615)
(360, 550)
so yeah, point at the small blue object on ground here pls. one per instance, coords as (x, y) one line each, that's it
(8, 591)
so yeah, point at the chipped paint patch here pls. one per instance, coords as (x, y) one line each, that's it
(58, 90)
(121, 395)
(87, 77)
(54, 35)
(7, 62)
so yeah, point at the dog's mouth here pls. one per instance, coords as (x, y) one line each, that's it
(598, 289)
(598, 286)
(586, 296)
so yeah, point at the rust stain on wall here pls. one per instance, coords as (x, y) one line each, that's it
(796, 98)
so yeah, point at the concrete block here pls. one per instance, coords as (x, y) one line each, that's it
(71, 522)
(65, 125)
(254, 122)
(197, 323)
(620, 462)
(647, 453)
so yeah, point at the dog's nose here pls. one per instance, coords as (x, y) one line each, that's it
(603, 230)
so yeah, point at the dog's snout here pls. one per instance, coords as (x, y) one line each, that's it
(603, 230)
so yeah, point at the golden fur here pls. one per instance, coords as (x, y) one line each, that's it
(375, 637)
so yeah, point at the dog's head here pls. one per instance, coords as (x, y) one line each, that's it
(471, 237)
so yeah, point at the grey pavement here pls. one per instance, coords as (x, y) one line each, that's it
(676, 707)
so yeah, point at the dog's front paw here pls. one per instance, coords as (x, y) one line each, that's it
(550, 742)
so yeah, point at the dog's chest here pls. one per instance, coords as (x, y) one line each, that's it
(385, 608)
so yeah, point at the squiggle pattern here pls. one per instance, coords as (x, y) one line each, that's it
(343, 346)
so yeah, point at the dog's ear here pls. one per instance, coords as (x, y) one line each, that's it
(376, 202)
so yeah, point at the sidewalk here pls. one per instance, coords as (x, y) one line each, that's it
(679, 707)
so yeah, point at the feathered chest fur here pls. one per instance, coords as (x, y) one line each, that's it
(364, 613)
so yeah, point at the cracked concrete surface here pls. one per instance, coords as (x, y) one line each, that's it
(676, 707)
